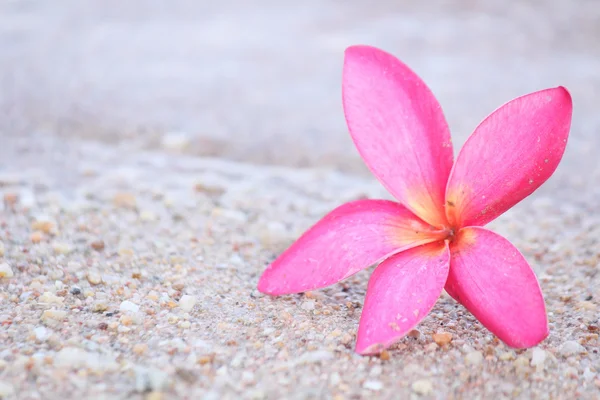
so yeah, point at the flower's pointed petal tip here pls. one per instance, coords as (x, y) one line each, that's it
(492, 279)
(531, 340)
(352, 237)
(365, 348)
(401, 292)
(398, 128)
(509, 155)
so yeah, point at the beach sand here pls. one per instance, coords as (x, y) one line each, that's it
(148, 175)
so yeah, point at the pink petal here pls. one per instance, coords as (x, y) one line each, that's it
(352, 237)
(401, 292)
(399, 130)
(495, 283)
(510, 154)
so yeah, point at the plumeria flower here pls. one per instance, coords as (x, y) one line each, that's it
(433, 237)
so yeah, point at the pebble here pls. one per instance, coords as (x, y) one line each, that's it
(308, 305)
(53, 315)
(50, 298)
(43, 224)
(570, 348)
(94, 278)
(474, 358)
(538, 357)
(422, 386)
(125, 200)
(373, 385)
(61, 248)
(6, 390)
(187, 302)
(6, 271)
(129, 306)
(42, 333)
(97, 245)
(442, 338)
(176, 141)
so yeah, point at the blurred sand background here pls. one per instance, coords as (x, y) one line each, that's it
(202, 137)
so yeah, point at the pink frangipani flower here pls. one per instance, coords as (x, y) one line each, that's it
(433, 237)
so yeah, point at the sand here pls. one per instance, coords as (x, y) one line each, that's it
(140, 204)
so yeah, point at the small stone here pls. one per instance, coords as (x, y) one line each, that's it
(422, 387)
(94, 278)
(373, 385)
(75, 290)
(506, 356)
(308, 305)
(6, 390)
(125, 200)
(6, 271)
(43, 224)
(474, 358)
(176, 141)
(53, 315)
(187, 302)
(588, 374)
(147, 216)
(42, 333)
(442, 338)
(129, 306)
(61, 248)
(50, 298)
(384, 355)
(140, 348)
(99, 306)
(414, 333)
(36, 237)
(538, 356)
(571, 347)
(11, 199)
(97, 245)
(154, 396)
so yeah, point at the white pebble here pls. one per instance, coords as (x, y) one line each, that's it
(176, 141)
(129, 306)
(6, 271)
(94, 278)
(6, 390)
(42, 333)
(588, 374)
(373, 385)
(187, 302)
(571, 347)
(538, 357)
(474, 358)
(53, 315)
(422, 386)
(308, 305)
(50, 298)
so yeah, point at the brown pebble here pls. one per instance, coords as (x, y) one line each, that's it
(43, 226)
(414, 334)
(10, 199)
(592, 328)
(442, 338)
(36, 237)
(384, 355)
(103, 326)
(125, 200)
(203, 360)
(97, 245)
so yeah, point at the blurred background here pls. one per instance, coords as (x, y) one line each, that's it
(259, 81)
